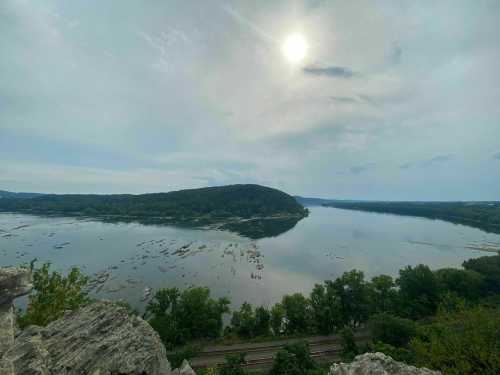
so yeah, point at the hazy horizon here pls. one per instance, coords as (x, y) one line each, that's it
(372, 101)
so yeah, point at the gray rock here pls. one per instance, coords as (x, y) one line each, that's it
(14, 282)
(7, 328)
(377, 364)
(185, 369)
(99, 339)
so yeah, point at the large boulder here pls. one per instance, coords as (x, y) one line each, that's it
(377, 364)
(99, 339)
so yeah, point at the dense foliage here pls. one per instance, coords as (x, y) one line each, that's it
(293, 359)
(483, 215)
(182, 316)
(52, 295)
(225, 201)
(397, 313)
(463, 342)
(447, 319)
(271, 211)
(248, 322)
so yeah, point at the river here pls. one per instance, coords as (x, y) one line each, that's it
(128, 258)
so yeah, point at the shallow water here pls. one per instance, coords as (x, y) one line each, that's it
(127, 258)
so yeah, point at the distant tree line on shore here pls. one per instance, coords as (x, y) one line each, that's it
(482, 215)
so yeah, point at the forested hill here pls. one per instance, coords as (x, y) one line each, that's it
(482, 215)
(9, 195)
(223, 204)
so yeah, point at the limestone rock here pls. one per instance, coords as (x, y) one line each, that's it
(185, 369)
(377, 364)
(14, 282)
(99, 339)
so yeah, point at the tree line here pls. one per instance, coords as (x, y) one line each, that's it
(447, 319)
(482, 215)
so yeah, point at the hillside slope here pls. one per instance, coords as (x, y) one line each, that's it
(229, 206)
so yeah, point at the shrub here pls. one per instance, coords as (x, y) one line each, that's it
(349, 347)
(392, 330)
(233, 365)
(185, 353)
(293, 359)
(52, 295)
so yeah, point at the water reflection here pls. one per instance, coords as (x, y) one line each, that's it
(130, 260)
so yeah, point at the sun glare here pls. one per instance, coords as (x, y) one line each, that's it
(295, 48)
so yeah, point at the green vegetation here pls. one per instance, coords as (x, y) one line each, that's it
(293, 359)
(391, 329)
(482, 215)
(252, 210)
(179, 317)
(448, 319)
(234, 365)
(52, 295)
(463, 342)
(248, 323)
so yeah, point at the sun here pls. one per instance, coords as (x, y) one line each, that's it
(294, 48)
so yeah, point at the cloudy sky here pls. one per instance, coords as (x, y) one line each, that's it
(393, 100)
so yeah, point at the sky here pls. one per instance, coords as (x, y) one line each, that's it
(394, 100)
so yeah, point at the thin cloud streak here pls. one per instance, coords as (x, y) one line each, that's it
(329, 71)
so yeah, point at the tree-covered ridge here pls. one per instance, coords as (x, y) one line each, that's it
(232, 206)
(482, 215)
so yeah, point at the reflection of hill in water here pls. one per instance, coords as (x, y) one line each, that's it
(262, 227)
(254, 228)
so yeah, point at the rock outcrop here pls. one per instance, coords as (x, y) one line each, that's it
(14, 282)
(98, 339)
(377, 364)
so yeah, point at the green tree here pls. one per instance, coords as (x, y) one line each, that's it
(383, 293)
(419, 291)
(392, 330)
(262, 321)
(180, 317)
(489, 268)
(53, 294)
(353, 296)
(243, 321)
(325, 307)
(465, 342)
(297, 313)
(277, 318)
(464, 283)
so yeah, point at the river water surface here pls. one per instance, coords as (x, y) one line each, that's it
(127, 260)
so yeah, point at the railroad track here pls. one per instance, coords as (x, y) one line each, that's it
(276, 345)
(267, 361)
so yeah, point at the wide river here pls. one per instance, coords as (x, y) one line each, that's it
(128, 259)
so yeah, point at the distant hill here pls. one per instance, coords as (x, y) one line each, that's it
(230, 207)
(9, 194)
(307, 201)
(482, 215)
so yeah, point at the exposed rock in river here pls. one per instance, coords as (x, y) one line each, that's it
(377, 364)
